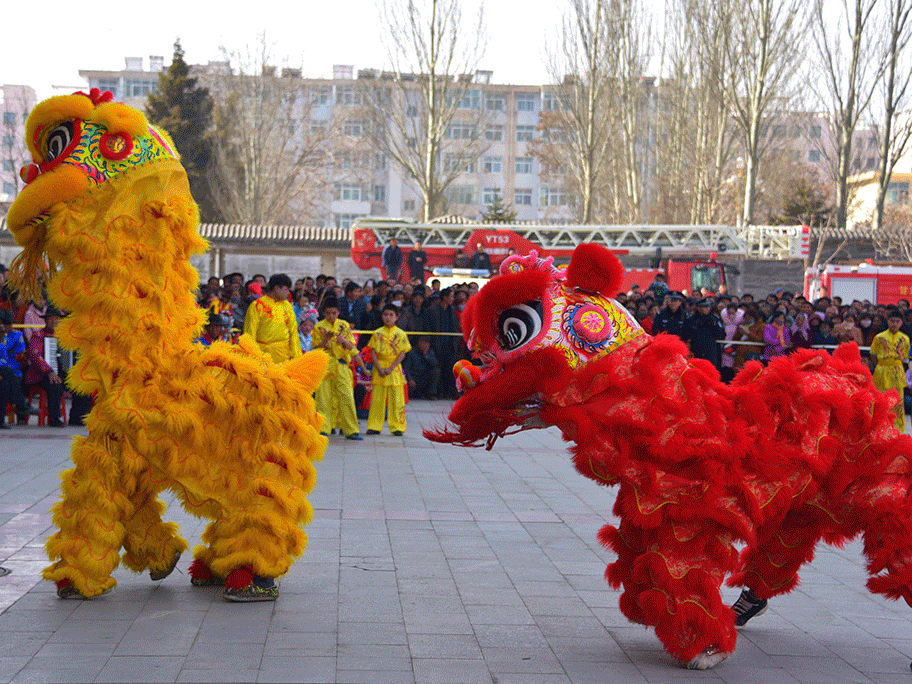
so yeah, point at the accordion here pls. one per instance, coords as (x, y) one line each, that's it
(60, 360)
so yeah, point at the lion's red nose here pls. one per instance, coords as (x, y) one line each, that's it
(466, 374)
(29, 172)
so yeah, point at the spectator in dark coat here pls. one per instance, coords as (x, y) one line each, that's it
(702, 332)
(422, 370)
(442, 318)
(671, 317)
(392, 261)
(417, 261)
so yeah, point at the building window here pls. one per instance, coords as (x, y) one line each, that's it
(9, 189)
(551, 102)
(813, 155)
(346, 95)
(138, 88)
(815, 132)
(379, 193)
(9, 118)
(318, 128)
(524, 165)
(412, 143)
(408, 205)
(898, 193)
(471, 99)
(871, 163)
(458, 163)
(353, 160)
(379, 161)
(354, 127)
(490, 195)
(494, 133)
(460, 194)
(493, 164)
(495, 102)
(8, 165)
(345, 220)
(552, 197)
(460, 131)
(779, 131)
(7, 141)
(522, 197)
(411, 111)
(320, 96)
(109, 84)
(525, 133)
(349, 192)
(525, 102)
(872, 143)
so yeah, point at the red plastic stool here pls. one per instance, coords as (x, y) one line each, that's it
(34, 391)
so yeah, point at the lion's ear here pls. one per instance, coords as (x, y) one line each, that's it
(594, 268)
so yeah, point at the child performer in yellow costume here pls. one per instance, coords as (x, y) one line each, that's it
(390, 345)
(891, 347)
(336, 394)
(271, 321)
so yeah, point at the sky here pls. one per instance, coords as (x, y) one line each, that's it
(325, 33)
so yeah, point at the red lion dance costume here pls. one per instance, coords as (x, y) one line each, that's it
(785, 456)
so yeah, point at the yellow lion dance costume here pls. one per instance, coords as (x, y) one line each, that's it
(107, 218)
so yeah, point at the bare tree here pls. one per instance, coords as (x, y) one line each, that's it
(894, 237)
(270, 161)
(577, 113)
(426, 111)
(848, 72)
(694, 138)
(895, 130)
(761, 61)
(16, 103)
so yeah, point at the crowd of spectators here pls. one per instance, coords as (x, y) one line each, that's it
(762, 329)
(422, 308)
(757, 328)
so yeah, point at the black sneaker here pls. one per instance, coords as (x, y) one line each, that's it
(748, 606)
(372, 432)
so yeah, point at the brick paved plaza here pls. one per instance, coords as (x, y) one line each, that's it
(427, 563)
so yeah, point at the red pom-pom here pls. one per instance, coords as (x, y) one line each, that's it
(239, 577)
(594, 268)
(199, 570)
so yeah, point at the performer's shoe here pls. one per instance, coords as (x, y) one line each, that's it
(398, 433)
(260, 589)
(26, 410)
(355, 437)
(372, 432)
(709, 658)
(748, 606)
(201, 575)
(68, 591)
(156, 575)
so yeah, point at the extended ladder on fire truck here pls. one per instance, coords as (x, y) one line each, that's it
(746, 242)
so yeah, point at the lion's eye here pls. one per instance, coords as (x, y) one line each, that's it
(519, 325)
(58, 140)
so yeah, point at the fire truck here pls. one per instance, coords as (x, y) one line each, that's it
(877, 283)
(691, 257)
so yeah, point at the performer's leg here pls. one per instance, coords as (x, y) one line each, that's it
(396, 409)
(770, 567)
(673, 585)
(885, 511)
(345, 391)
(150, 542)
(323, 400)
(89, 518)
(377, 408)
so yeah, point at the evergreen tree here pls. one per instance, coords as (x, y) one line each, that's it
(498, 212)
(185, 111)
